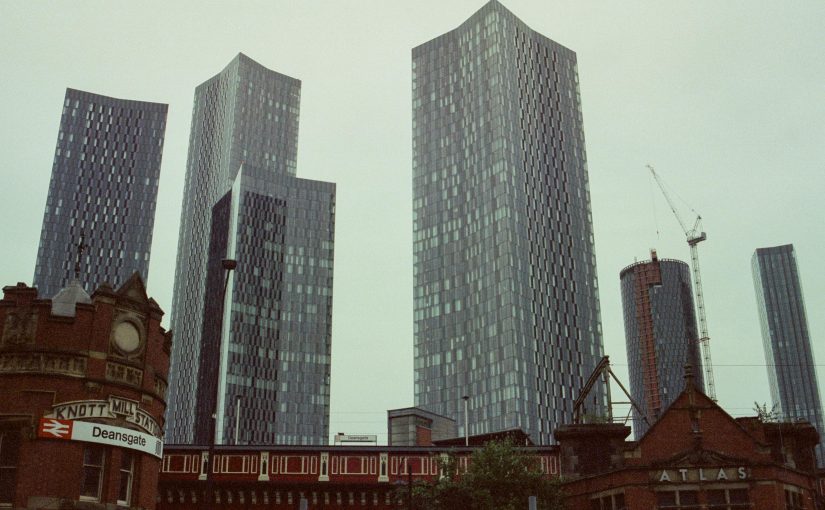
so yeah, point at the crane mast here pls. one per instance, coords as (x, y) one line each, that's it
(695, 236)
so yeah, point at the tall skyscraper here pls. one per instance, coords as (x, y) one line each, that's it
(786, 338)
(661, 334)
(506, 296)
(103, 190)
(266, 358)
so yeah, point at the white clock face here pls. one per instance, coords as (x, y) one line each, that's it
(127, 337)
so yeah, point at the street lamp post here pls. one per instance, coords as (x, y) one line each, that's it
(228, 266)
(238, 399)
(466, 399)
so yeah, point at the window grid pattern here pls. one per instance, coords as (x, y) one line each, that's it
(786, 338)
(103, 187)
(506, 302)
(661, 335)
(277, 373)
(246, 113)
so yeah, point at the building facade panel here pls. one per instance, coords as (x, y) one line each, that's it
(506, 300)
(103, 191)
(661, 335)
(260, 356)
(244, 113)
(274, 357)
(786, 337)
(415, 427)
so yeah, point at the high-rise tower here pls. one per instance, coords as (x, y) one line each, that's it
(661, 334)
(506, 296)
(786, 338)
(264, 351)
(102, 192)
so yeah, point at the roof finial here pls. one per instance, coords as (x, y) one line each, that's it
(688, 375)
(81, 246)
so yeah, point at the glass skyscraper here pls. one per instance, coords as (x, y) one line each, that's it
(506, 295)
(786, 338)
(102, 191)
(267, 358)
(661, 334)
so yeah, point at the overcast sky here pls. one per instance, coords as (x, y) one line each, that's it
(726, 99)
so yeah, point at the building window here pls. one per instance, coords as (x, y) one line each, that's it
(127, 470)
(609, 502)
(9, 454)
(793, 500)
(93, 459)
(728, 499)
(683, 500)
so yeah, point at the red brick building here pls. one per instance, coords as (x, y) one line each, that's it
(695, 457)
(82, 396)
(82, 384)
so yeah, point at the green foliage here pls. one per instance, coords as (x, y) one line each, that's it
(499, 477)
(764, 414)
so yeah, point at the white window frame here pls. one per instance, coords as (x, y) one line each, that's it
(612, 495)
(130, 473)
(101, 468)
(727, 490)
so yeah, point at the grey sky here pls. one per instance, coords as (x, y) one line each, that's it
(726, 99)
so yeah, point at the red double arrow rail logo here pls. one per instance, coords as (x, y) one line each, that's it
(55, 429)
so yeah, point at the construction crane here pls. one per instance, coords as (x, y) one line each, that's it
(695, 236)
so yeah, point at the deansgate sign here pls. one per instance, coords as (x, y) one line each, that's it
(75, 430)
(352, 438)
(705, 474)
(113, 408)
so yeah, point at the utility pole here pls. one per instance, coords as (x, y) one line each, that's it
(238, 399)
(466, 399)
(228, 265)
(409, 485)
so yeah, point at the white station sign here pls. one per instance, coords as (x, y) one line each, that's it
(351, 438)
(72, 430)
(114, 407)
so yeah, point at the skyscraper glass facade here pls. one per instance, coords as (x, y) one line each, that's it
(661, 334)
(506, 294)
(786, 338)
(271, 358)
(103, 190)
(266, 358)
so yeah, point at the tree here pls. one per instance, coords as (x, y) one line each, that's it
(499, 477)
